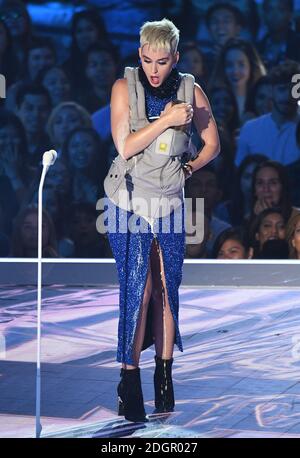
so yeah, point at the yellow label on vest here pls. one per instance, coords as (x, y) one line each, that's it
(163, 146)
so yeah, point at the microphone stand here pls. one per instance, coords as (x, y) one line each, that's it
(49, 158)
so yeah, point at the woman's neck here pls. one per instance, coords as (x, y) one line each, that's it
(239, 90)
(166, 89)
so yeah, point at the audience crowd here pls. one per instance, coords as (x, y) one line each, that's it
(242, 54)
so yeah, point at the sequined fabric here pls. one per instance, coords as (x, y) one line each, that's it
(131, 252)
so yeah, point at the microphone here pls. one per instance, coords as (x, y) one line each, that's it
(49, 157)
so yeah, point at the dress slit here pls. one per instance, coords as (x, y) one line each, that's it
(132, 252)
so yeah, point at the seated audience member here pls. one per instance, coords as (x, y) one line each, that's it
(225, 108)
(33, 108)
(40, 54)
(87, 29)
(280, 42)
(270, 224)
(17, 19)
(55, 80)
(274, 134)
(14, 173)
(223, 21)
(192, 61)
(271, 189)
(197, 250)
(232, 244)
(204, 184)
(242, 189)
(259, 101)
(275, 249)
(86, 159)
(64, 118)
(100, 68)
(293, 237)
(239, 66)
(82, 230)
(24, 243)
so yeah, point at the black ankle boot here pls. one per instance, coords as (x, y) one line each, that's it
(163, 385)
(131, 402)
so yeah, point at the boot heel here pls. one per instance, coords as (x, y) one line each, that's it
(163, 386)
(130, 396)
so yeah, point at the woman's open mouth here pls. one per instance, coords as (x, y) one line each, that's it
(154, 79)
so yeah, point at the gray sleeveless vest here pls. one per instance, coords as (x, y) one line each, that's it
(150, 183)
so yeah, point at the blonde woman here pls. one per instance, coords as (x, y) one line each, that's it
(65, 117)
(293, 236)
(151, 113)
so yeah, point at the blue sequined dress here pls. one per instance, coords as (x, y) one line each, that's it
(131, 251)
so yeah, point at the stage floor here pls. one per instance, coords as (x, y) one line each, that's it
(239, 374)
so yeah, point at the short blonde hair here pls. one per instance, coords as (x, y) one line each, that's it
(160, 35)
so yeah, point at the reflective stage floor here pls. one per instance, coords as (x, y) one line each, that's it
(239, 374)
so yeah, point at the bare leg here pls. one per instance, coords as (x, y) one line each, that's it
(141, 325)
(163, 322)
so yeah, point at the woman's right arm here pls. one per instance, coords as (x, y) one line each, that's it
(130, 143)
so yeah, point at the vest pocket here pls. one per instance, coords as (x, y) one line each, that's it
(113, 179)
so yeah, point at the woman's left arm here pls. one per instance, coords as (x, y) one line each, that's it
(206, 128)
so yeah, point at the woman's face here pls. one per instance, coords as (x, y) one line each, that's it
(3, 39)
(85, 34)
(296, 239)
(237, 68)
(82, 150)
(66, 120)
(268, 186)
(272, 227)
(101, 69)
(222, 105)
(232, 249)
(157, 65)
(191, 62)
(263, 99)
(16, 21)
(58, 85)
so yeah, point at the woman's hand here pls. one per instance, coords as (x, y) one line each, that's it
(178, 114)
(262, 204)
